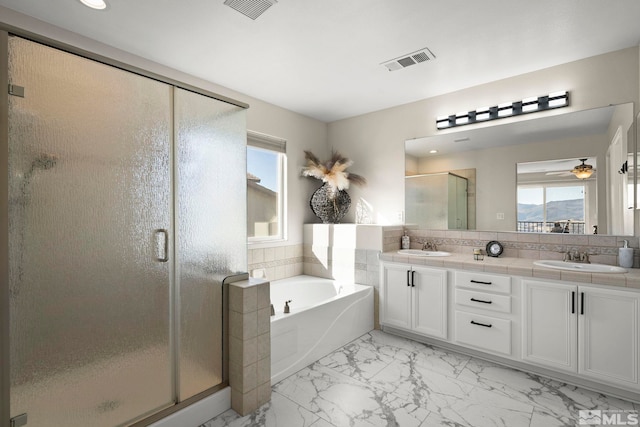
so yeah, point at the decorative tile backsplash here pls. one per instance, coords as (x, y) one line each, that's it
(361, 265)
(601, 248)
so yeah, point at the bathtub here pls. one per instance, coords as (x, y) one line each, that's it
(325, 315)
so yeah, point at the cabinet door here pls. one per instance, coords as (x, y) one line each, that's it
(550, 325)
(396, 296)
(608, 339)
(430, 302)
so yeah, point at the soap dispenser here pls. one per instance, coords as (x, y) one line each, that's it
(625, 255)
(406, 241)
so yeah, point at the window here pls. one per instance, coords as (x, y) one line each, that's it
(266, 166)
(552, 208)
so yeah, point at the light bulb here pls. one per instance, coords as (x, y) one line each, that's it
(94, 4)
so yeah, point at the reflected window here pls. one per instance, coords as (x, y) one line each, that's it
(266, 161)
(552, 208)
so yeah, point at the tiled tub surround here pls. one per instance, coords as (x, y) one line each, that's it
(249, 345)
(359, 265)
(346, 252)
(531, 246)
(276, 262)
(382, 379)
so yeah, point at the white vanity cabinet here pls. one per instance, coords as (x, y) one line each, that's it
(550, 324)
(589, 330)
(414, 298)
(588, 334)
(483, 307)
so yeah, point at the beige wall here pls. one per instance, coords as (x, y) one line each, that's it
(375, 141)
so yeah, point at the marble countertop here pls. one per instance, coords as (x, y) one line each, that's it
(517, 267)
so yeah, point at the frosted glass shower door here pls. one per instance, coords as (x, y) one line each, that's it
(211, 229)
(90, 192)
(426, 201)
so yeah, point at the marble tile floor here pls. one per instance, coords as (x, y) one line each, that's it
(384, 380)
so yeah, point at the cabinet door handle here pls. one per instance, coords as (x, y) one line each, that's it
(479, 300)
(408, 277)
(481, 283)
(573, 302)
(581, 302)
(413, 278)
(473, 322)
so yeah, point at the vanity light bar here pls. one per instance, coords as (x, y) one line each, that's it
(525, 106)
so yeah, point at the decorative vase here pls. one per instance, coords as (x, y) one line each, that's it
(330, 210)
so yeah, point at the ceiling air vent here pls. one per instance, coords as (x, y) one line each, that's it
(422, 55)
(250, 8)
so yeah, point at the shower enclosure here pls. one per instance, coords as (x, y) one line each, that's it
(127, 207)
(436, 201)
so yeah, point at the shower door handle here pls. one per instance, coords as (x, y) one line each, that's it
(162, 245)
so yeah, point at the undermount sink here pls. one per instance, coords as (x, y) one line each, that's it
(576, 266)
(419, 252)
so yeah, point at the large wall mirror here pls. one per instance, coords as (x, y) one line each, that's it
(518, 175)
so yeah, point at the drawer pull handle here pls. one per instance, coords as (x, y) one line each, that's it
(479, 300)
(473, 322)
(481, 283)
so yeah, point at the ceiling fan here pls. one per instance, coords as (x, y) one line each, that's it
(581, 171)
(560, 173)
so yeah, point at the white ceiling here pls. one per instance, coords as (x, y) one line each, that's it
(322, 58)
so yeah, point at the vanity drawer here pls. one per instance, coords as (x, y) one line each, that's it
(484, 332)
(484, 282)
(492, 302)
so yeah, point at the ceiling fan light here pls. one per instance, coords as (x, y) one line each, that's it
(583, 174)
(583, 171)
(94, 4)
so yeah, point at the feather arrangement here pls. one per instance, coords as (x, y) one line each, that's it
(333, 172)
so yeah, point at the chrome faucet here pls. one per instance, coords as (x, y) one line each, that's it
(429, 245)
(584, 257)
(575, 256)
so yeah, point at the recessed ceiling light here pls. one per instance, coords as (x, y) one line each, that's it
(433, 151)
(94, 4)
